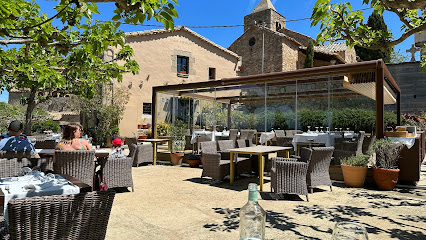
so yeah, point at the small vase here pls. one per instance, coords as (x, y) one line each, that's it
(386, 179)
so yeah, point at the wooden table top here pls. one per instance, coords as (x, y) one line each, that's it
(259, 149)
(154, 140)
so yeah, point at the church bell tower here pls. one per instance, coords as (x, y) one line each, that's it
(265, 12)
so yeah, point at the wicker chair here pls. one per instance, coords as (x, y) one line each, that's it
(130, 140)
(76, 163)
(12, 161)
(288, 175)
(213, 165)
(233, 134)
(45, 144)
(244, 133)
(318, 170)
(143, 154)
(118, 172)
(243, 163)
(345, 148)
(79, 216)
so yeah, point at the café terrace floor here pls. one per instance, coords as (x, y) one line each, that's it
(171, 203)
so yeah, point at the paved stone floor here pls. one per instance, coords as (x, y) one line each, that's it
(173, 203)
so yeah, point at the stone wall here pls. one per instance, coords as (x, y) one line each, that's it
(252, 55)
(412, 82)
(156, 55)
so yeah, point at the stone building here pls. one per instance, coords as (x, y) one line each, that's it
(166, 57)
(284, 49)
(412, 81)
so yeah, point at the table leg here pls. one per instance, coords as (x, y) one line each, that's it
(261, 172)
(170, 145)
(231, 164)
(287, 153)
(155, 152)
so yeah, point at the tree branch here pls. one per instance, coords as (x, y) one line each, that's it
(401, 16)
(409, 4)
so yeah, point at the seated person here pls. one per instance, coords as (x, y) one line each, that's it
(117, 151)
(71, 139)
(14, 140)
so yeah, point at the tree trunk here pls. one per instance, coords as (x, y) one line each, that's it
(31, 104)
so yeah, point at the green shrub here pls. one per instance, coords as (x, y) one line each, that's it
(48, 125)
(356, 161)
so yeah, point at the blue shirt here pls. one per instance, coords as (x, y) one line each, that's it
(16, 144)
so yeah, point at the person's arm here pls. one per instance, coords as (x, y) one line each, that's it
(86, 144)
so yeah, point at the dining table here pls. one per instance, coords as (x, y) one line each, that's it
(99, 153)
(260, 151)
(37, 184)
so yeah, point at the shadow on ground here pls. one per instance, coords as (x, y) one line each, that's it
(240, 184)
(231, 220)
(406, 227)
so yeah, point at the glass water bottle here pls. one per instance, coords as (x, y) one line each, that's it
(252, 217)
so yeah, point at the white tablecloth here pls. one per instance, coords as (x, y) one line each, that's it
(59, 186)
(409, 142)
(326, 138)
(266, 136)
(208, 134)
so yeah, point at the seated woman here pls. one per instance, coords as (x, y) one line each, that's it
(71, 139)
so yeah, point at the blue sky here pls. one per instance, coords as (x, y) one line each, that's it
(232, 12)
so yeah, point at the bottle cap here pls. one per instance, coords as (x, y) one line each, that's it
(252, 187)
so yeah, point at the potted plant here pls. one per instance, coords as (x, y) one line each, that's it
(177, 135)
(194, 160)
(162, 129)
(354, 169)
(385, 170)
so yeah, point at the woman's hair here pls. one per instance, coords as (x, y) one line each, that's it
(69, 132)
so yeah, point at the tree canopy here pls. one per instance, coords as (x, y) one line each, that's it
(65, 56)
(338, 21)
(376, 22)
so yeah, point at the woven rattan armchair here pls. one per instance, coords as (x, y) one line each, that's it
(79, 216)
(345, 148)
(318, 170)
(233, 134)
(288, 175)
(130, 140)
(12, 161)
(143, 154)
(243, 163)
(118, 172)
(77, 163)
(213, 165)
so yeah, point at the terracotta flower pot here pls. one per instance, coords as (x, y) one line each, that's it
(194, 163)
(386, 179)
(202, 161)
(354, 176)
(176, 158)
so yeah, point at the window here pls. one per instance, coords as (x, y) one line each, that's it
(212, 73)
(182, 64)
(147, 108)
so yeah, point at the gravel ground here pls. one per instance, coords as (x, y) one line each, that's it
(172, 203)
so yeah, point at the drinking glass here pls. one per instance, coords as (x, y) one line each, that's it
(340, 129)
(309, 129)
(349, 231)
(7, 188)
(347, 129)
(25, 171)
(321, 129)
(98, 147)
(316, 129)
(328, 129)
